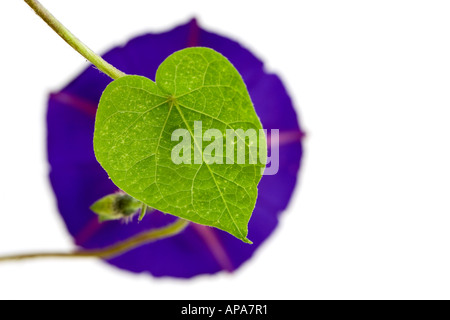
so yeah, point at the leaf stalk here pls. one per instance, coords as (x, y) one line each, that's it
(73, 41)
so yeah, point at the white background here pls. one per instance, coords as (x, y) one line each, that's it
(371, 81)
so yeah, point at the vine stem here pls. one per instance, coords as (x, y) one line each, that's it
(73, 41)
(113, 250)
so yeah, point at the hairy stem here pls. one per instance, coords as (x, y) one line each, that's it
(75, 43)
(113, 250)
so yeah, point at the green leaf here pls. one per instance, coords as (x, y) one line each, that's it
(133, 140)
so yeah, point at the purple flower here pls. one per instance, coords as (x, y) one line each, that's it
(78, 180)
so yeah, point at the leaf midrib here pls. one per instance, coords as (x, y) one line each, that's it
(209, 169)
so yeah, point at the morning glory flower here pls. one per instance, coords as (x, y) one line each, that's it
(78, 180)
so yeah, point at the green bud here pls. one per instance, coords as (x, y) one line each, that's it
(116, 206)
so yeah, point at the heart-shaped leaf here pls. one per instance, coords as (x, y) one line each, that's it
(139, 125)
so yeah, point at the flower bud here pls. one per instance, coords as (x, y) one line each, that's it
(116, 206)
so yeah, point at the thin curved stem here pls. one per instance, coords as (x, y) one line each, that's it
(113, 250)
(73, 41)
